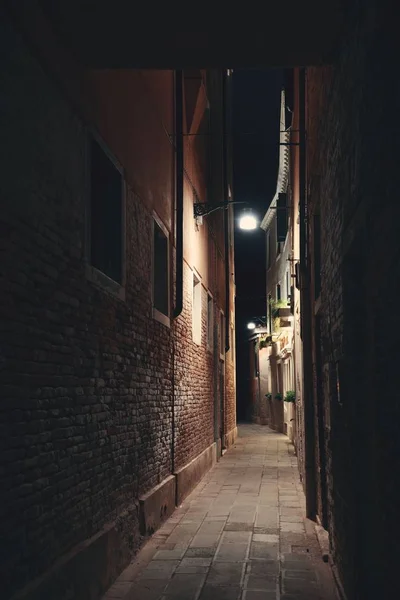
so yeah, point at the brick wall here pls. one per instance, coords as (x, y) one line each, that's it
(88, 380)
(230, 392)
(193, 378)
(351, 183)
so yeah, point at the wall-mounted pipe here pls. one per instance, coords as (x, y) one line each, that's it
(179, 174)
(225, 152)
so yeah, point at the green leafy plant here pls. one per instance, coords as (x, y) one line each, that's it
(268, 395)
(265, 341)
(290, 396)
(278, 396)
(275, 305)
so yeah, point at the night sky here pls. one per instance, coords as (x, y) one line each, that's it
(256, 109)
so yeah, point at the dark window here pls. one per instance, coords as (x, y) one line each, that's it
(281, 218)
(161, 270)
(317, 256)
(278, 292)
(269, 313)
(221, 333)
(210, 322)
(256, 360)
(105, 214)
(269, 249)
(196, 310)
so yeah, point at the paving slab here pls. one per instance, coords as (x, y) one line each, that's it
(226, 574)
(240, 535)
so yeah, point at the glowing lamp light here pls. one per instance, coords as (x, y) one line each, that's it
(251, 325)
(248, 222)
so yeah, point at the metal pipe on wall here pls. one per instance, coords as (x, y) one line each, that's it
(226, 212)
(179, 174)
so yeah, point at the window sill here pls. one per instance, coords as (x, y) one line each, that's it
(101, 280)
(161, 318)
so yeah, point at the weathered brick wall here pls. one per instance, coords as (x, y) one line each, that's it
(230, 392)
(351, 153)
(85, 390)
(86, 378)
(193, 377)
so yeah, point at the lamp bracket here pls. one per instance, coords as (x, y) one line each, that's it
(201, 209)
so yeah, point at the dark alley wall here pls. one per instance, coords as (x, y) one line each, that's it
(101, 403)
(352, 153)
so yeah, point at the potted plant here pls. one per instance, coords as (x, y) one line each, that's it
(278, 396)
(290, 396)
(275, 307)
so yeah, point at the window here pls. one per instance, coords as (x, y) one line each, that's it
(281, 218)
(221, 334)
(269, 249)
(160, 273)
(317, 256)
(256, 360)
(269, 313)
(287, 285)
(106, 206)
(278, 292)
(196, 310)
(210, 322)
(279, 378)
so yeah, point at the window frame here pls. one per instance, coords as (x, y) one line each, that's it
(94, 274)
(157, 314)
(269, 250)
(196, 309)
(221, 331)
(287, 284)
(210, 337)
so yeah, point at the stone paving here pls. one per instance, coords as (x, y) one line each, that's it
(241, 535)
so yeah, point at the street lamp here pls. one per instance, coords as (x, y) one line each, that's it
(256, 322)
(248, 222)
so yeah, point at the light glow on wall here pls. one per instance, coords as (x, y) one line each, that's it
(251, 325)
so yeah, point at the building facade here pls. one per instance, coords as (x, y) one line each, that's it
(117, 346)
(278, 224)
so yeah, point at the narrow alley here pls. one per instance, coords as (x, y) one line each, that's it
(199, 230)
(240, 535)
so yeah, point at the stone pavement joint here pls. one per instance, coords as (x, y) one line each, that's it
(241, 535)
